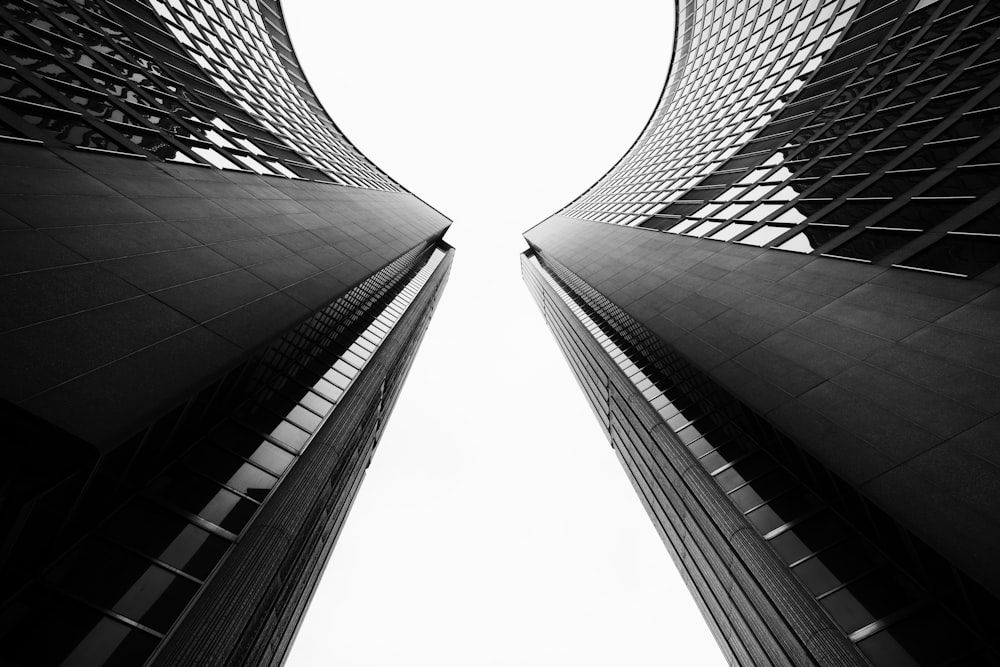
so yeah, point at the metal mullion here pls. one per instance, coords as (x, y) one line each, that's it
(103, 610)
(287, 418)
(274, 441)
(841, 540)
(675, 537)
(897, 203)
(186, 466)
(750, 481)
(146, 557)
(897, 90)
(788, 525)
(70, 107)
(867, 83)
(770, 500)
(887, 621)
(191, 517)
(33, 135)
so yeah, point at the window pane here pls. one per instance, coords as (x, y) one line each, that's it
(964, 255)
(304, 418)
(166, 536)
(45, 628)
(315, 403)
(835, 566)
(203, 498)
(815, 533)
(870, 599)
(747, 469)
(251, 446)
(722, 456)
(115, 579)
(290, 435)
(231, 471)
(782, 510)
(761, 490)
(928, 638)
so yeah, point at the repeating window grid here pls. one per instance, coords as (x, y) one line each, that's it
(70, 71)
(125, 74)
(706, 107)
(268, 90)
(77, 86)
(829, 172)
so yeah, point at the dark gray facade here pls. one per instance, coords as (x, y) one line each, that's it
(847, 407)
(210, 303)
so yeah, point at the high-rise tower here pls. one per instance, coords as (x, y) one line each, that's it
(782, 305)
(210, 300)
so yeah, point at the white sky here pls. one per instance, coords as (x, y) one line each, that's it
(495, 527)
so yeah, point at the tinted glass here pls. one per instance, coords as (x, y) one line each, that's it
(112, 578)
(204, 498)
(869, 599)
(158, 533)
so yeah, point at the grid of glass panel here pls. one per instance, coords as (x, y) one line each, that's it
(231, 42)
(736, 65)
(864, 131)
(116, 594)
(892, 617)
(189, 82)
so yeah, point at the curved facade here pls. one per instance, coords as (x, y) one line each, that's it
(782, 305)
(854, 130)
(211, 300)
(194, 83)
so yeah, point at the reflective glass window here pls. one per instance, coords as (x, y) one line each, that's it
(166, 536)
(961, 255)
(761, 490)
(703, 446)
(260, 419)
(763, 235)
(723, 455)
(45, 628)
(816, 533)
(291, 435)
(204, 498)
(835, 566)
(928, 638)
(112, 578)
(232, 471)
(872, 244)
(328, 390)
(783, 509)
(743, 471)
(869, 599)
(304, 418)
(260, 451)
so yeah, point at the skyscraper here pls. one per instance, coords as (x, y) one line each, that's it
(210, 301)
(781, 304)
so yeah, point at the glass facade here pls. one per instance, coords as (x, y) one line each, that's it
(857, 130)
(731, 300)
(193, 392)
(204, 83)
(891, 605)
(125, 583)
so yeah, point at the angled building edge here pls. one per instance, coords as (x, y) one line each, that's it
(782, 306)
(210, 302)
